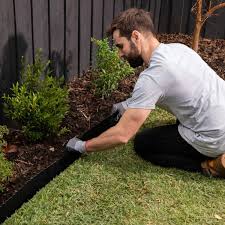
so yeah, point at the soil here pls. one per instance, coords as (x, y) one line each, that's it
(86, 111)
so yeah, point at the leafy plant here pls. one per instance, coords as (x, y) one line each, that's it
(110, 69)
(5, 165)
(40, 102)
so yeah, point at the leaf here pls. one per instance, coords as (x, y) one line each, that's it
(10, 149)
(218, 217)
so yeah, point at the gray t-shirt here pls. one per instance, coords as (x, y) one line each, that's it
(179, 81)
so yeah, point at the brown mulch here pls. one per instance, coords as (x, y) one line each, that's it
(86, 111)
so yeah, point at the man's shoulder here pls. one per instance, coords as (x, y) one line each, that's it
(175, 45)
(169, 54)
(166, 48)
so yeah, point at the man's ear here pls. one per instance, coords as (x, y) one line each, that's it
(135, 36)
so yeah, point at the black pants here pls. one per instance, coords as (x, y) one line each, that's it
(165, 147)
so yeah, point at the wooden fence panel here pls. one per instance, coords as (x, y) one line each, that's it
(179, 16)
(85, 35)
(191, 22)
(152, 7)
(186, 14)
(138, 4)
(41, 27)
(97, 19)
(129, 4)
(165, 16)
(72, 39)
(108, 14)
(97, 25)
(143, 4)
(57, 36)
(7, 46)
(63, 29)
(24, 31)
(155, 6)
(118, 7)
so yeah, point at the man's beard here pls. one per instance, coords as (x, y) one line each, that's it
(134, 58)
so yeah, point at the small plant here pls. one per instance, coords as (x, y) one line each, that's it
(5, 165)
(39, 103)
(110, 69)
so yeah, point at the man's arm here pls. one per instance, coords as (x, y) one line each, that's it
(121, 133)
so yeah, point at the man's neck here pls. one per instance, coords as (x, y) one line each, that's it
(149, 45)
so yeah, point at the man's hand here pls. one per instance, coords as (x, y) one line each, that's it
(76, 145)
(120, 108)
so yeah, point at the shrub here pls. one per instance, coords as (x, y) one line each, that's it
(5, 165)
(39, 103)
(110, 69)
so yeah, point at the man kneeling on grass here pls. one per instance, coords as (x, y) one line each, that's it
(178, 80)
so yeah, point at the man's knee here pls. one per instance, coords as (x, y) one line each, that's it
(143, 146)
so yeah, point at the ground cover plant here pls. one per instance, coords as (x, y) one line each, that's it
(5, 165)
(87, 110)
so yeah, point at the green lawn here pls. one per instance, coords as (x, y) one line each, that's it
(116, 187)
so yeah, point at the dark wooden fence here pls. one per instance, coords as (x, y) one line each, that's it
(63, 28)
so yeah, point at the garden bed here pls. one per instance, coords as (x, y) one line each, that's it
(86, 112)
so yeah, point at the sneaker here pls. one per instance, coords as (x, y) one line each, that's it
(214, 167)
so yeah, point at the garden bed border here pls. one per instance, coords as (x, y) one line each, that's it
(41, 179)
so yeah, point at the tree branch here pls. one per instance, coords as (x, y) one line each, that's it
(212, 10)
(210, 4)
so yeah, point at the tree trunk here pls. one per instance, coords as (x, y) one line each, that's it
(200, 19)
(198, 25)
(196, 36)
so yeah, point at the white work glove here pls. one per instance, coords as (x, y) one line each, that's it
(76, 145)
(120, 108)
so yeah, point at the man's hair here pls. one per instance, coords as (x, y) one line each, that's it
(132, 19)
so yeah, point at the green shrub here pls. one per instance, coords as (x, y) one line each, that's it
(5, 165)
(39, 103)
(110, 69)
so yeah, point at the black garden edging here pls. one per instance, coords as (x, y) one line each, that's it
(41, 179)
